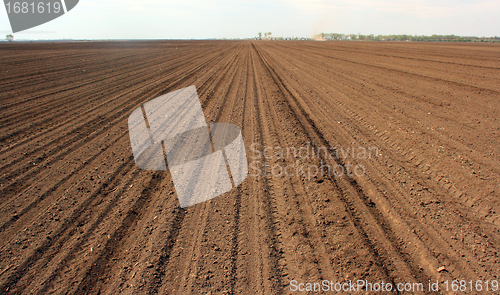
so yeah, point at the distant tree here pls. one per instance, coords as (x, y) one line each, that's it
(404, 37)
(260, 35)
(9, 37)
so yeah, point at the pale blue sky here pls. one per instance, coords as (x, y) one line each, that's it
(164, 19)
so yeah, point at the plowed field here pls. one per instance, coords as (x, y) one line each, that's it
(77, 216)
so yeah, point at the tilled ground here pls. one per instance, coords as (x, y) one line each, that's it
(78, 216)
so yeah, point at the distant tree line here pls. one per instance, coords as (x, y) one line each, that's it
(432, 38)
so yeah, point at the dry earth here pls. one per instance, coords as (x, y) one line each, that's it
(77, 216)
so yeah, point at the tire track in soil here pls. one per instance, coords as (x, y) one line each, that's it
(431, 235)
(442, 253)
(199, 246)
(388, 229)
(308, 226)
(353, 207)
(275, 255)
(248, 264)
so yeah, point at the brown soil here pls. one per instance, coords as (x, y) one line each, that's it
(78, 217)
